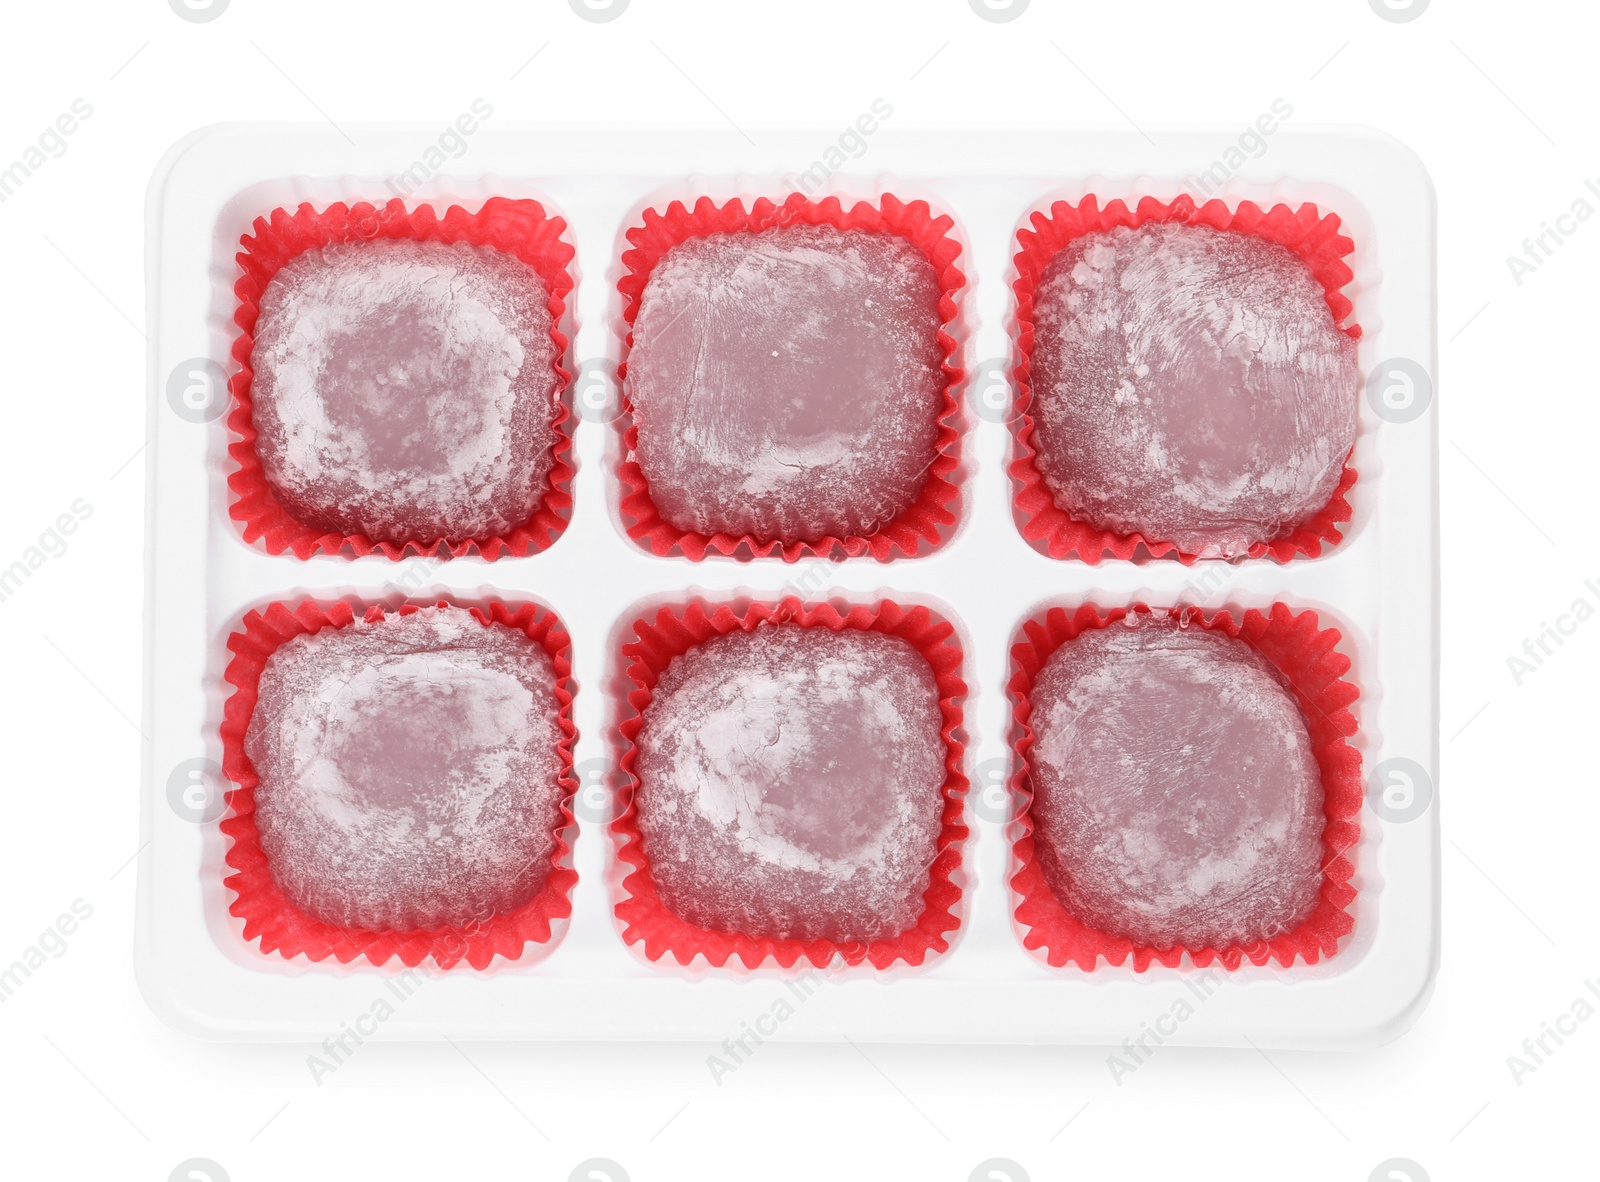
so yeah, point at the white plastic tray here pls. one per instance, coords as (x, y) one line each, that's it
(1379, 587)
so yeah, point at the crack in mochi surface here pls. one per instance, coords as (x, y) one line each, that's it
(791, 783)
(1190, 384)
(787, 384)
(406, 390)
(1176, 796)
(409, 770)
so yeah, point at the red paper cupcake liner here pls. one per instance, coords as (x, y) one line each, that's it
(645, 917)
(1314, 670)
(269, 915)
(1312, 235)
(520, 228)
(926, 518)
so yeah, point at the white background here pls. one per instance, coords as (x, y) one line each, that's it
(1498, 106)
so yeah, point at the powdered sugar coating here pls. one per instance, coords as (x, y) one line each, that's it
(1190, 384)
(409, 770)
(1176, 796)
(406, 390)
(787, 384)
(791, 783)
